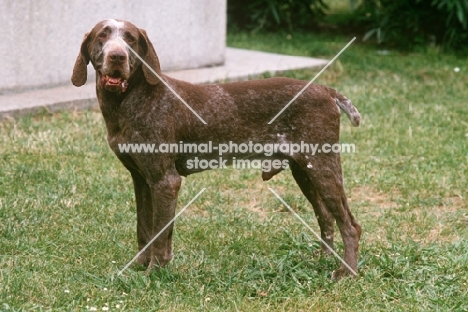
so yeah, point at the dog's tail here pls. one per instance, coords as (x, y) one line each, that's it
(345, 104)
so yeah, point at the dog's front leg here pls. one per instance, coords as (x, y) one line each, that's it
(144, 206)
(164, 193)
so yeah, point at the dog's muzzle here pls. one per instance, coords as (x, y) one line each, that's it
(113, 84)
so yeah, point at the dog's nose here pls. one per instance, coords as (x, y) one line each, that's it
(117, 56)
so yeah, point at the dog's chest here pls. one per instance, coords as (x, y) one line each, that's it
(116, 140)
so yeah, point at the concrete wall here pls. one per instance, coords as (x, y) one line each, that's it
(40, 39)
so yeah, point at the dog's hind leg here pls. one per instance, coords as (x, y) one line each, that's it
(326, 181)
(325, 219)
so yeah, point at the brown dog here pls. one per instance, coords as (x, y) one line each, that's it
(138, 108)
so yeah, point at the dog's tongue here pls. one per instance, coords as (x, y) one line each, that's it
(111, 80)
(113, 84)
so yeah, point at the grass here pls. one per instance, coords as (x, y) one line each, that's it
(67, 212)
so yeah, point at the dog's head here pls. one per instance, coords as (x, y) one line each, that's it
(111, 47)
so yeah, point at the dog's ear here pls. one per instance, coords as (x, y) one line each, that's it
(150, 57)
(80, 73)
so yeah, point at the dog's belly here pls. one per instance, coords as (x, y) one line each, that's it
(269, 165)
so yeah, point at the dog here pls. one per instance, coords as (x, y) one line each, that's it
(138, 107)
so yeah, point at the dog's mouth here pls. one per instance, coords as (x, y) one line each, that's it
(113, 84)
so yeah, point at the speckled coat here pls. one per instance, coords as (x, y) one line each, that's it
(139, 108)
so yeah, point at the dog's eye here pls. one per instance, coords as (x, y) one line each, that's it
(102, 35)
(129, 38)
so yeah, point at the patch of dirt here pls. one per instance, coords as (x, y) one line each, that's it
(445, 218)
(377, 202)
(385, 217)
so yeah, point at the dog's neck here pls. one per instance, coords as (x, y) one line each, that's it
(118, 107)
(112, 103)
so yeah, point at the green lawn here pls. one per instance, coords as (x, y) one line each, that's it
(67, 212)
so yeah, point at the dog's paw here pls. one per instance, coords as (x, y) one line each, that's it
(152, 268)
(322, 252)
(143, 259)
(157, 263)
(341, 273)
